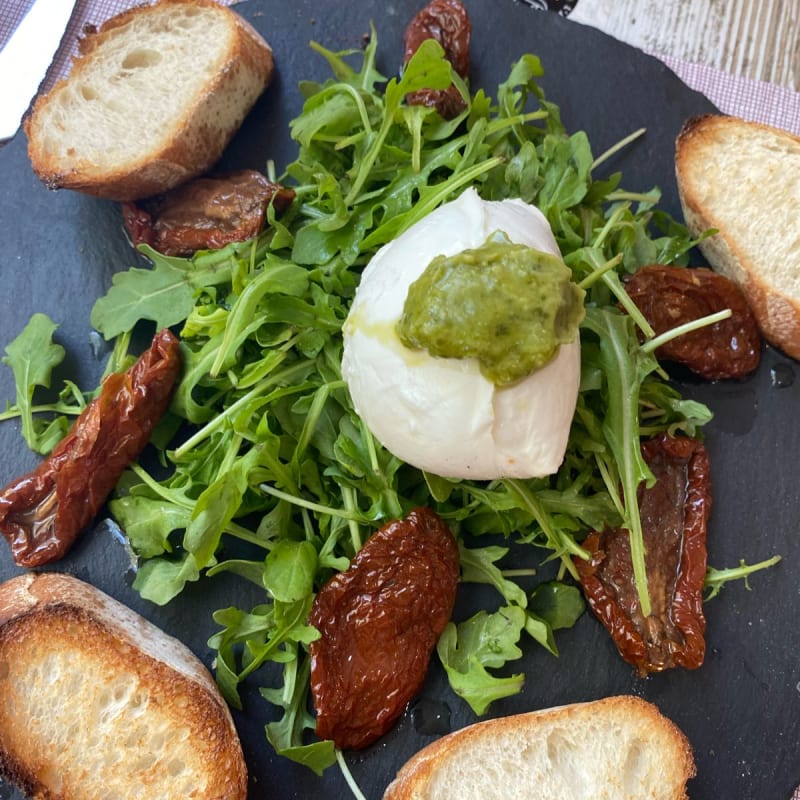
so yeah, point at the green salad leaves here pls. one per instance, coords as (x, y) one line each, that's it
(265, 470)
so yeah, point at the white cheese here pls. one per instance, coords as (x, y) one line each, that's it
(441, 414)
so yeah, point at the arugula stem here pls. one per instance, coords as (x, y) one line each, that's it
(231, 411)
(308, 525)
(246, 535)
(424, 207)
(369, 441)
(368, 161)
(498, 125)
(562, 545)
(617, 147)
(717, 578)
(178, 499)
(54, 408)
(611, 485)
(340, 144)
(349, 497)
(610, 224)
(625, 301)
(312, 418)
(354, 788)
(687, 327)
(598, 273)
(362, 109)
(307, 504)
(116, 361)
(640, 197)
(231, 454)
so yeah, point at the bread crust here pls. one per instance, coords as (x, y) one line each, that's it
(704, 149)
(669, 752)
(56, 618)
(201, 127)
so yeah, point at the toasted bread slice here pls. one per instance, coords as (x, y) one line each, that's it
(98, 703)
(743, 179)
(151, 101)
(619, 748)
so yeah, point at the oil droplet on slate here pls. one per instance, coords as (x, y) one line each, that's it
(431, 716)
(100, 349)
(782, 376)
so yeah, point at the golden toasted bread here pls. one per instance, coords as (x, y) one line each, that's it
(619, 748)
(151, 101)
(97, 702)
(743, 179)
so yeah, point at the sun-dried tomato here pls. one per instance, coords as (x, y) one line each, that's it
(42, 513)
(674, 516)
(670, 296)
(379, 622)
(205, 213)
(447, 22)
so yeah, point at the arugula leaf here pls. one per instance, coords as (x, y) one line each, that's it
(286, 735)
(237, 627)
(478, 566)
(289, 570)
(148, 522)
(625, 366)
(164, 294)
(32, 356)
(486, 640)
(557, 604)
(160, 579)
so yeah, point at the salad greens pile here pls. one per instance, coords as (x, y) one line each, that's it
(265, 470)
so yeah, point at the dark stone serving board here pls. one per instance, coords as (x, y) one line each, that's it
(58, 252)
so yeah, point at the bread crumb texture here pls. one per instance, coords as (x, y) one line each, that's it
(152, 100)
(87, 714)
(742, 179)
(620, 748)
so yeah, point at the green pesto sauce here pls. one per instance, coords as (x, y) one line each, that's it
(506, 305)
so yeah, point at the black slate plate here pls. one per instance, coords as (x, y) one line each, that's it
(740, 710)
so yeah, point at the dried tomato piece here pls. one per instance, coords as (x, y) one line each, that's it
(42, 513)
(379, 622)
(447, 22)
(670, 296)
(674, 516)
(205, 213)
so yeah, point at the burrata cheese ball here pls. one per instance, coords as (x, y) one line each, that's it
(441, 414)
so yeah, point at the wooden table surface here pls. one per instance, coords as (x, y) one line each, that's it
(757, 39)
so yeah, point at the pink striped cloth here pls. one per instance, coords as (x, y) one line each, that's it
(741, 97)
